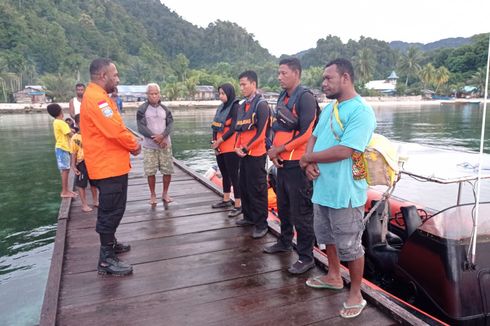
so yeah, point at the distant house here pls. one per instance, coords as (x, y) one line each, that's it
(205, 92)
(132, 93)
(31, 94)
(469, 92)
(386, 86)
(271, 96)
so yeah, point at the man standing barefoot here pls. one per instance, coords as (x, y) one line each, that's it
(155, 123)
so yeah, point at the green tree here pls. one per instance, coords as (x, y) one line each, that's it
(312, 77)
(410, 63)
(427, 75)
(441, 77)
(479, 79)
(173, 90)
(190, 87)
(58, 86)
(181, 66)
(364, 65)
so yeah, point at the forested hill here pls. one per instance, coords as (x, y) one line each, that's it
(62, 36)
(452, 42)
(52, 42)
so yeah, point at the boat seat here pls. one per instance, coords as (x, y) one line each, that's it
(412, 220)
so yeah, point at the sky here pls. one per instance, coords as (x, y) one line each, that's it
(288, 27)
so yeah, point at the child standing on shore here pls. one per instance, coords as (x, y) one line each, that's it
(62, 133)
(78, 166)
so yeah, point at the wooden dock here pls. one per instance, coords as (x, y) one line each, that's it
(192, 266)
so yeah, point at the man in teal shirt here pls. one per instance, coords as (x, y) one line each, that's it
(332, 160)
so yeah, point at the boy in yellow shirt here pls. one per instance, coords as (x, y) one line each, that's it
(62, 134)
(78, 166)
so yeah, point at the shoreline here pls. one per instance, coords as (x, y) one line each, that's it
(184, 105)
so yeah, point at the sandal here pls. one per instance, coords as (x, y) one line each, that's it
(360, 307)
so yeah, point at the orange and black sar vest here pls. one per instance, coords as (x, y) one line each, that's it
(293, 141)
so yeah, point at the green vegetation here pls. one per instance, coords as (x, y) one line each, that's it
(52, 42)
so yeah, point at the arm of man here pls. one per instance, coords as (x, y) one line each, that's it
(169, 120)
(114, 130)
(71, 109)
(142, 128)
(262, 120)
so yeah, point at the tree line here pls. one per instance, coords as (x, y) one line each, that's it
(51, 42)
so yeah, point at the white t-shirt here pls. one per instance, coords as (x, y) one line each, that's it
(76, 105)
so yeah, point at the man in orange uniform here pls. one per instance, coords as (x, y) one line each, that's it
(251, 127)
(293, 125)
(107, 144)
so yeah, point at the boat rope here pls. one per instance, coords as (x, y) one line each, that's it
(472, 247)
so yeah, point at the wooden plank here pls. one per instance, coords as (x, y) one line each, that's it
(82, 257)
(157, 307)
(192, 265)
(51, 294)
(166, 275)
(144, 212)
(162, 228)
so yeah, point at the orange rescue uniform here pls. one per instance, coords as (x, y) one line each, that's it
(294, 148)
(257, 147)
(228, 145)
(106, 141)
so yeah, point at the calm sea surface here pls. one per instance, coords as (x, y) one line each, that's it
(30, 183)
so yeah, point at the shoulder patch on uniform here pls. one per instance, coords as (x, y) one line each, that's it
(102, 104)
(106, 109)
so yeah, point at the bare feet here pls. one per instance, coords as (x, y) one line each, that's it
(166, 198)
(153, 200)
(69, 194)
(86, 208)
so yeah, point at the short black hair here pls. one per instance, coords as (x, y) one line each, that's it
(250, 75)
(77, 119)
(343, 66)
(293, 64)
(98, 65)
(54, 109)
(80, 85)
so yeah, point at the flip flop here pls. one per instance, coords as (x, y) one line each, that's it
(359, 306)
(317, 283)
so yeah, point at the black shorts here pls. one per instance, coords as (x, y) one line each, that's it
(82, 180)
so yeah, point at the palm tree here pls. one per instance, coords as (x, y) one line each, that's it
(478, 79)
(427, 75)
(441, 76)
(410, 63)
(173, 91)
(190, 86)
(364, 62)
(59, 87)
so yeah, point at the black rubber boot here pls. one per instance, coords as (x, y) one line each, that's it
(110, 264)
(120, 247)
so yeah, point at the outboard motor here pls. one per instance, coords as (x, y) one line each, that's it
(378, 251)
(412, 220)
